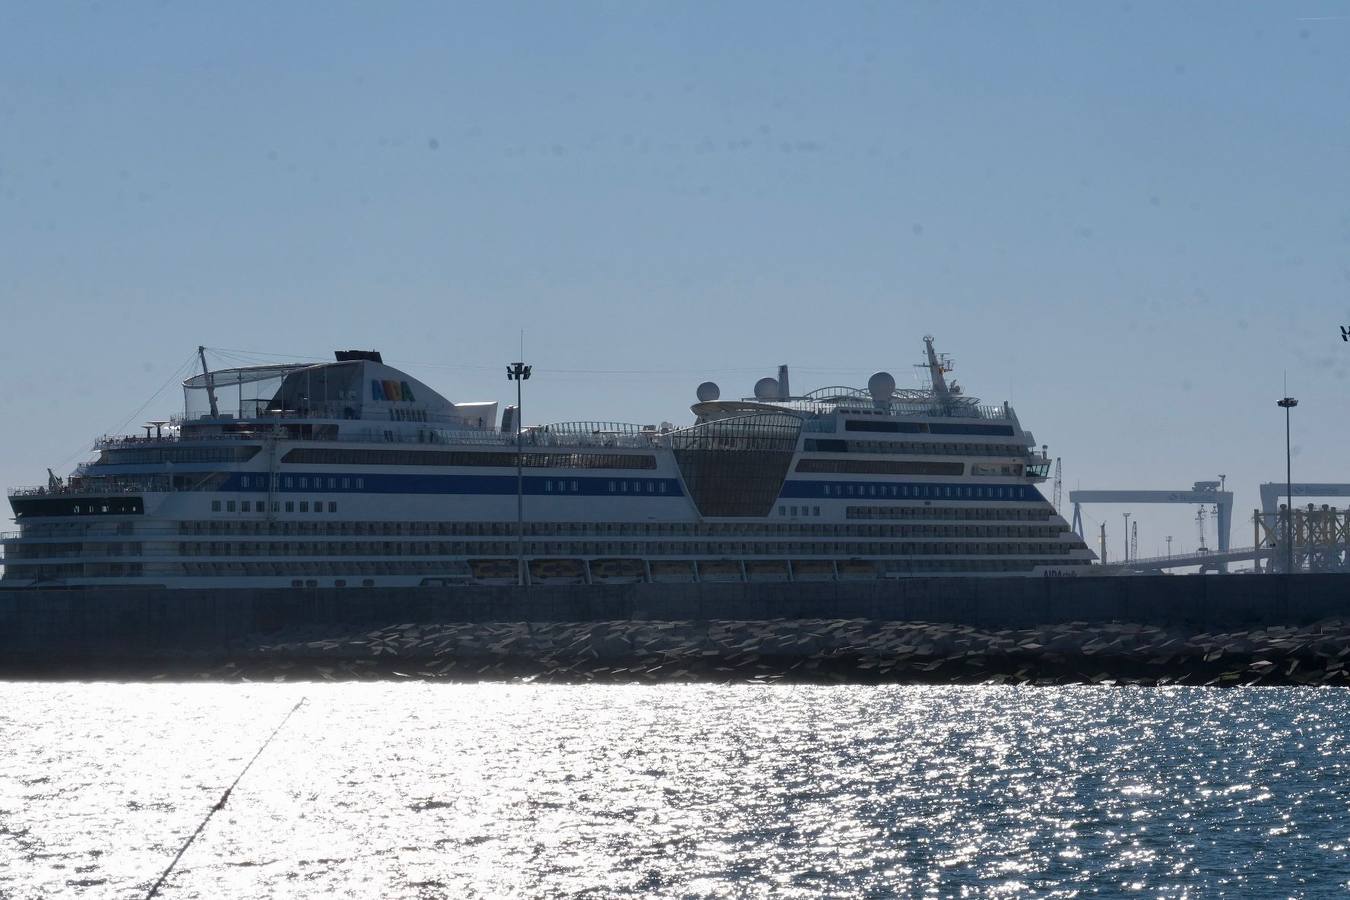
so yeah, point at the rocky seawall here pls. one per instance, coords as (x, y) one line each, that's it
(1221, 630)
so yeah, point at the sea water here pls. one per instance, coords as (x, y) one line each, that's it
(413, 789)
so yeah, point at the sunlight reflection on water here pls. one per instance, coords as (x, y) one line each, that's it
(412, 789)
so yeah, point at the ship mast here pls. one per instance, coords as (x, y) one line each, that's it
(935, 369)
(211, 384)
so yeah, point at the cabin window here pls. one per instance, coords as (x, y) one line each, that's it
(215, 506)
(229, 506)
(290, 506)
(332, 506)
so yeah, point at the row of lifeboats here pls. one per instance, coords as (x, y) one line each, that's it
(632, 571)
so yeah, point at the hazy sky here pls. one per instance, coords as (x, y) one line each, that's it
(1128, 218)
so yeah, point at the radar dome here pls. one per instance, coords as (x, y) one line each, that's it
(766, 389)
(708, 391)
(881, 386)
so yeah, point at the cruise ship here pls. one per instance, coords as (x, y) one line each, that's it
(352, 473)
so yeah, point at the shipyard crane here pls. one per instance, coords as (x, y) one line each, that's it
(1203, 493)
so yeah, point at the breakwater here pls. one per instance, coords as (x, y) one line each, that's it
(1164, 629)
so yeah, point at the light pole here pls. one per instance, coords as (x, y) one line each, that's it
(1288, 403)
(519, 372)
(1169, 546)
(1127, 536)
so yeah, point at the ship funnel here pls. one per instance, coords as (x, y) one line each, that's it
(784, 392)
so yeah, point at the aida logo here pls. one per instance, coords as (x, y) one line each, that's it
(392, 391)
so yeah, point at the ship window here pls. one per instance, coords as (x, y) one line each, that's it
(360, 484)
(304, 482)
(782, 510)
(290, 506)
(229, 506)
(623, 486)
(304, 506)
(574, 485)
(244, 505)
(346, 483)
(663, 487)
(215, 506)
(243, 481)
(815, 510)
(611, 487)
(332, 483)
(318, 506)
(794, 510)
(548, 486)
(332, 506)
(290, 482)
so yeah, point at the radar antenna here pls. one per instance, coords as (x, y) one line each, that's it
(937, 367)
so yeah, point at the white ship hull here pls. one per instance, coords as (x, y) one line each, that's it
(399, 487)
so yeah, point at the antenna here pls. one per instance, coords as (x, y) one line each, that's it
(1134, 540)
(936, 368)
(1059, 485)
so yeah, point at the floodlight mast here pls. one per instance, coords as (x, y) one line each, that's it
(519, 372)
(1287, 404)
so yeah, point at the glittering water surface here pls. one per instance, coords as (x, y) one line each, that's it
(411, 789)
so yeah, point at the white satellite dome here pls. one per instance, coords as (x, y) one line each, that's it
(766, 389)
(881, 386)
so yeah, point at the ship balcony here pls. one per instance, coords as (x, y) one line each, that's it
(565, 434)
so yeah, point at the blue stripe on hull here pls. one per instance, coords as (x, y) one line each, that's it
(456, 484)
(894, 490)
(535, 485)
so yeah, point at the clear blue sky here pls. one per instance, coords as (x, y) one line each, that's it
(1128, 218)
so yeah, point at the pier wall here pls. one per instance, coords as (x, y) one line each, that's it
(56, 624)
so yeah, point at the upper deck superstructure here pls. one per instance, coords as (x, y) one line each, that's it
(355, 473)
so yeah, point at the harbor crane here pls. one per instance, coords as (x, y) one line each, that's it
(1205, 493)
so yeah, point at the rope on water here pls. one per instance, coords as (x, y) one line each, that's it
(154, 891)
